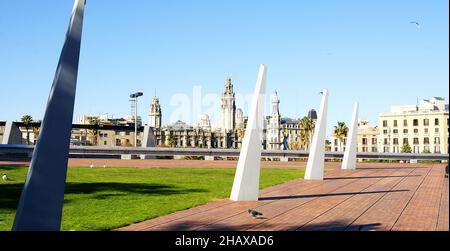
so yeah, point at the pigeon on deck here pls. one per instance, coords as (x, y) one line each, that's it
(254, 213)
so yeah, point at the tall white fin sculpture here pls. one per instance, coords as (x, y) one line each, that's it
(316, 160)
(349, 161)
(246, 180)
(41, 202)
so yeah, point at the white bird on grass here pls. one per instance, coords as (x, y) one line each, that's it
(92, 166)
(5, 178)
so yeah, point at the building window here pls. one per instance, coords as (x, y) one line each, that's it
(405, 122)
(395, 131)
(437, 149)
(416, 141)
(426, 140)
(118, 142)
(105, 143)
(405, 142)
(395, 123)
(385, 141)
(436, 130)
(374, 141)
(385, 132)
(364, 141)
(386, 149)
(395, 141)
(416, 122)
(437, 140)
(426, 122)
(127, 133)
(416, 131)
(436, 122)
(405, 131)
(374, 149)
(385, 123)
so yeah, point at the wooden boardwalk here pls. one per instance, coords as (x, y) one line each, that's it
(387, 197)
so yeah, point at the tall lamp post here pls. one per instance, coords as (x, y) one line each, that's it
(134, 98)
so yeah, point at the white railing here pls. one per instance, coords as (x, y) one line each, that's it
(93, 151)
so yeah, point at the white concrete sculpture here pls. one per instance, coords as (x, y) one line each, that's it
(149, 137)
(148, 141)
(316, 160)
(246, 180)
(41, 202)
(349, 161)
(12, 134)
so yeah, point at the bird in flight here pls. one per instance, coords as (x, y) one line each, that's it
(416, 23)
(254, 213)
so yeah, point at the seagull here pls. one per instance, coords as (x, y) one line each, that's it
(91, 166)
(104, 166)
(5, 177)
(254, 213)
(416, 23)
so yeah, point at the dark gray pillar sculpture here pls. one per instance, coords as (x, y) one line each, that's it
(41, 202)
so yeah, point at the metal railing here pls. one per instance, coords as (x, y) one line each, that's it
(93, 151)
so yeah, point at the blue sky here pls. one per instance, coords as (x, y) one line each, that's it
(359, 49)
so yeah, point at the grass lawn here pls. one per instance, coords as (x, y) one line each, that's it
(105, 199)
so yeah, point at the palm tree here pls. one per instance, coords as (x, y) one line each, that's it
(94, 132)
(340, 132)
(26, 120)
(307, 126)
(36, 131)
(172, 140)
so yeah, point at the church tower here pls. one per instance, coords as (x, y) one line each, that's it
(273, 129)
(155, 114)
(228, 113)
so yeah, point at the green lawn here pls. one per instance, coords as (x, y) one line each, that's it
(104, 199)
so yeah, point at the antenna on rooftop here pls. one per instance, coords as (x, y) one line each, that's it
(417, 104)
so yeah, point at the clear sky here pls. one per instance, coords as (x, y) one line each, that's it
(359, 49)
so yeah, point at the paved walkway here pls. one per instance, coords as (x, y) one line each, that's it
(386, 197)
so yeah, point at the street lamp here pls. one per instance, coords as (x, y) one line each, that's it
(134, 98)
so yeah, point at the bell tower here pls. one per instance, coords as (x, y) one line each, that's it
(228, 113)
(155, 115)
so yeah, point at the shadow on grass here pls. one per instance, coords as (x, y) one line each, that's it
(12, 167)
(10, 193)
